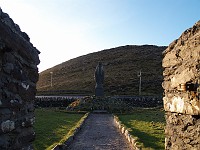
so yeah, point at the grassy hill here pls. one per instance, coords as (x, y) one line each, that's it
(121, 65)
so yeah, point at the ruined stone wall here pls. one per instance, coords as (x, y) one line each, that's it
(18, 77)
(181, 64)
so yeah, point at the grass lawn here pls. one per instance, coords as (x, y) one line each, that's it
(52, 127)
(148, 126)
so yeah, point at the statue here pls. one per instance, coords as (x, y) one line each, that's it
(99, 78)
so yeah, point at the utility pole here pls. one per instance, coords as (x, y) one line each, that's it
(140, 83)
(51, 78)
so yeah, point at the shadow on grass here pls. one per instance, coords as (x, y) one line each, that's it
(52, 126)
(147, 125)
(147, 115)
(147, 140)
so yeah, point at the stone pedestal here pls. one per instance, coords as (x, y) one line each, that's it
(181, 64)
(99, 91)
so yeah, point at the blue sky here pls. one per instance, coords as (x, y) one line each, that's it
(65, 29)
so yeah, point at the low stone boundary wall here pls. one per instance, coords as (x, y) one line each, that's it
(53, 101)
(115, 104)
(131, 101)
(66, 144)
(125, 132)
(141, 101)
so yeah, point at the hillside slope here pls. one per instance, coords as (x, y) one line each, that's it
(121, 65)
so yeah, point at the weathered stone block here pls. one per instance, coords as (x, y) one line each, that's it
(181, 85)
(182, 131)
(7, 126)
(4, 141)
(182, 105)
(170, 59)
(185, 76)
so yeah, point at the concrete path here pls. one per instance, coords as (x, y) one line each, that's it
(100, 133)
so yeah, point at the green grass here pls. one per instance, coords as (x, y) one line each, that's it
(148, 126)
(53, 127)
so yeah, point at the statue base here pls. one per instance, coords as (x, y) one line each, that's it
(99, 91)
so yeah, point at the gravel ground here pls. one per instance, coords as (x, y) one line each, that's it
(99, 133)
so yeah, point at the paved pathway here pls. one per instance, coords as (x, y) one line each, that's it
(100, 133)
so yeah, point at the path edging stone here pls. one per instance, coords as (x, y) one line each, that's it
(66, 144)
(124, 130)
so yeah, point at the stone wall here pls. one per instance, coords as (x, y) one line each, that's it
(114, 104)
(18, 77)
(181, 64)
(53, 101)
